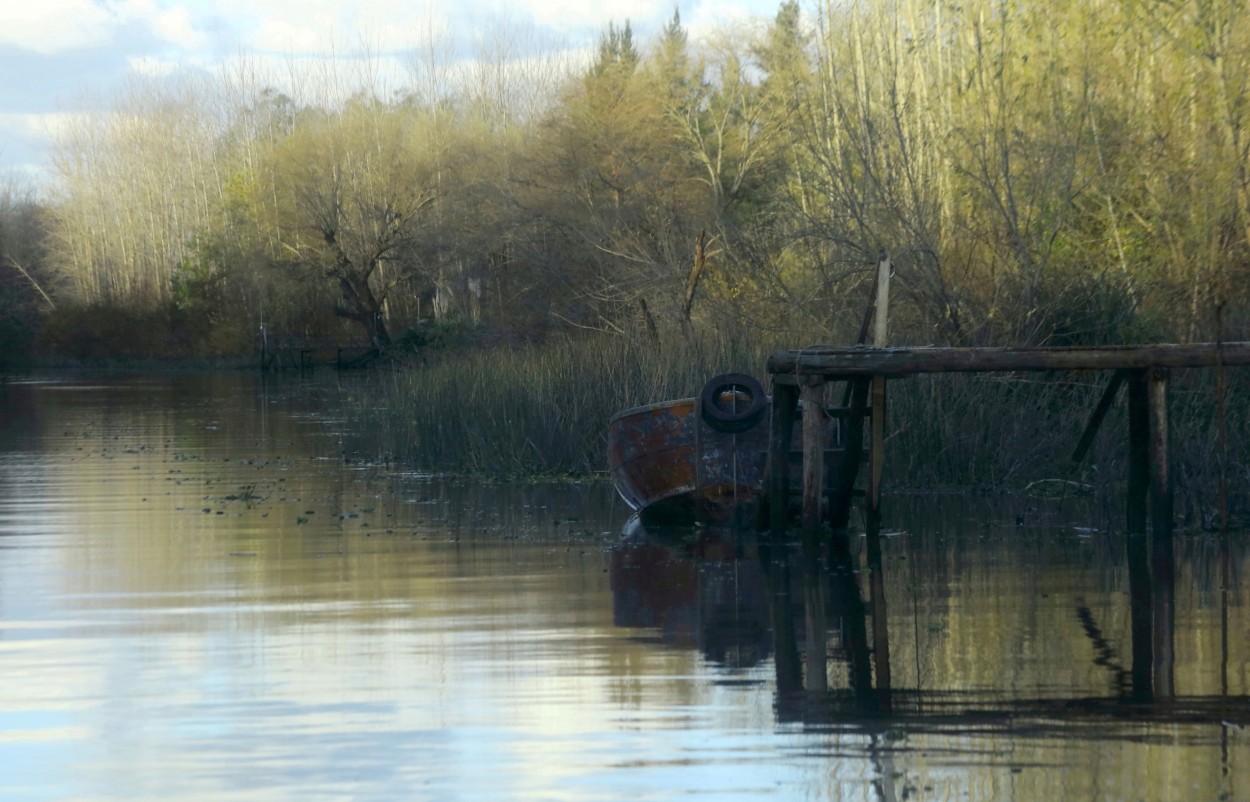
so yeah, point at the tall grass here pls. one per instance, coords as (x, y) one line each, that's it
(543, 409)
(1019, 431)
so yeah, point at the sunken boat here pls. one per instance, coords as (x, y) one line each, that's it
(693, 459)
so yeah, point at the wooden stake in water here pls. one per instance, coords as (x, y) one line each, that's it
(876, 452)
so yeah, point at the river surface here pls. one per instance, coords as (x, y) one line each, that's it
(217, 589)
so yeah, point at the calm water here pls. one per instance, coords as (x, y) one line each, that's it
(215, 590)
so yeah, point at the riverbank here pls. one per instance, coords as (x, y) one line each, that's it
(543, 409)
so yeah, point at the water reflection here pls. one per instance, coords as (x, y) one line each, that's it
(969, 643)
(212, 588)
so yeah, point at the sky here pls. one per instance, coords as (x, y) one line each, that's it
(60, 58)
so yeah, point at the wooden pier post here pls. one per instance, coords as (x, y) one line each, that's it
(1141, 597)
(880, 338)
(1152, 591)
(876, 447)
(1161, 545)
(1159, 454)
(1138, 453)
(781, 431)
(813, 396)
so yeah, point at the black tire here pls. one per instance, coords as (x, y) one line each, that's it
(735, 416)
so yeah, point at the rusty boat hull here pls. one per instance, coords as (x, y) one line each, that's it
(673, 461)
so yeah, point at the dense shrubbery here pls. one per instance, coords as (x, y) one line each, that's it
(1035, 170)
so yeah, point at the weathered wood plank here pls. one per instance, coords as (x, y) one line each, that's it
(882, 323)
(842, 363)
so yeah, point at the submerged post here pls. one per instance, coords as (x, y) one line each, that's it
(1141, 597)
(1161, 546)
(880, 617)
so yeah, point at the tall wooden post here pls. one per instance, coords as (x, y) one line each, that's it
(1161, 546)
(881, 322)
(813, 397)
(1141, 597)
(876, 452)
(1138, 452)
(880, 338)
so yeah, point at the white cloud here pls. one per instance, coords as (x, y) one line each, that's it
(54, 26)
(58, 26)
(177, 27)
(709, 17)
(594, 14)
(36, 126)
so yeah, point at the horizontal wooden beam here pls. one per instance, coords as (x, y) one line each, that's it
(841, 362)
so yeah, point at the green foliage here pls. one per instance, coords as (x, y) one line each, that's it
(617, 54)
(437, 337)
(1058, 173)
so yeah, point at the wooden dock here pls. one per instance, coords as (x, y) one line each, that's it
(803, 374)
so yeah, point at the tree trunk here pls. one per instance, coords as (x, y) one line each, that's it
(362, 306)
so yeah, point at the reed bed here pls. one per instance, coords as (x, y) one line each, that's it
(1018, 432)
(542, 410)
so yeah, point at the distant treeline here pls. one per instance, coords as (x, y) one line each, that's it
(1041, 173)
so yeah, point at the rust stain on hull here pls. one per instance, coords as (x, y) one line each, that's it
(666, 453)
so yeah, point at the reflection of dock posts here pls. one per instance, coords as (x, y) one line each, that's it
(264, 348)
(880, 625)
(788, 668)
(816, 623)
(849, 608)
